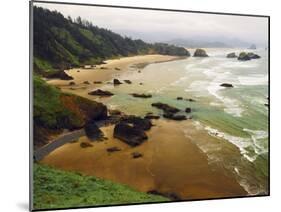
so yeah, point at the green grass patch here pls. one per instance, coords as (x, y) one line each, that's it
(54, 188)
(48, 110)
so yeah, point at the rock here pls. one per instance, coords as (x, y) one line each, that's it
(227, 85)
(169, 195)
(190, 100)
(92, 131)
(179, 98)
(128, 81)
(141, 83)
(266, 104)
(116, 82)
(103, 67)
(136, 155)
(253, 56)
(129, 133)
(113, 149)
(71, 83)
(174, 116)
(86, 82)
(243, 56)
(139, 71)
(188, 110)
(141, 95)
(78, 70)
(97, 82)
(165, 107)
(100, 92)
(117, 69)
(58, 75)
(151, 116)
(137, 122)
(85, 145)
(114, 112)
(231, 55)
(253, 46)
(200, 53)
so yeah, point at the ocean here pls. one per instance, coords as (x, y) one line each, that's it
(234, 116)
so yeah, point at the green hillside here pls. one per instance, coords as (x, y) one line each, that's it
(54, 188)
(60, 43)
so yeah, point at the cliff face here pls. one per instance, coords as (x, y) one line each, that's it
(54, 111)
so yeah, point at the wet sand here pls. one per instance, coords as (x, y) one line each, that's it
(171, 163)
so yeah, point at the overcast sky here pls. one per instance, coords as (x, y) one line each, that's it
(157, 26)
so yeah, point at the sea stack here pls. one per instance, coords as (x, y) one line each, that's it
(200, 53)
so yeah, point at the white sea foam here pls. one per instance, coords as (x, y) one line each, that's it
(256, 79)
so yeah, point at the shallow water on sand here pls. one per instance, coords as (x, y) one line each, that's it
(225, 143)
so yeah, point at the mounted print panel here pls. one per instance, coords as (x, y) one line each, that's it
(138, 105)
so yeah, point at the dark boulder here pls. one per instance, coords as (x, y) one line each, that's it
(86, 82)
(227, 85)
(113, 149)
(165, 107)
(175, 117)
(85, 145)
(136, 155)
(100, 92)
(200, 53)
(231, 55)
(117, 69)
(243, 56)
(188, 110)
(116, 82)
(128, 81)
(92, 131)
(71, 83)
(141, 95)
(97, 82)
(138, 122)
(179, 98)
(129, 133)
(151, 116)
(253, 56)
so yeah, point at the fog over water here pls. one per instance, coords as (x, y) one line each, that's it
(159, 26)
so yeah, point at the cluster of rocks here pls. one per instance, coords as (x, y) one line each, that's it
(171, 112)
(131, 130)
(243, 56)
(100, 92)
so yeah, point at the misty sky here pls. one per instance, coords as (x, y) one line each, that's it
(158, 26)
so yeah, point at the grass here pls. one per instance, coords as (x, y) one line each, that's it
(54, 188)
(49, 112)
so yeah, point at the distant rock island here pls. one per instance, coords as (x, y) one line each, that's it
(200, 53)
(253, 46)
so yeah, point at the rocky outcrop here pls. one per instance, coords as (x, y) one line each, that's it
(188, 110)
(57, 75)
(136, 155)
(71, 83)
(174, 116)
(200, 53)
(179, 98)
(129, 133)
(128, 81)
(151, 116)
(226, 85)
(141, 95)
(100, 92)
(92, 131)
(231, 55)
(116, 82)
(165, 107)
(113, 149)
(131, 130)
(85, 145)
(244, 56)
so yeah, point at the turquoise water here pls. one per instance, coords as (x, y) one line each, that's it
(234, 116)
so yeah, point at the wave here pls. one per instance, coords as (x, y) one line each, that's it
(256, 79)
